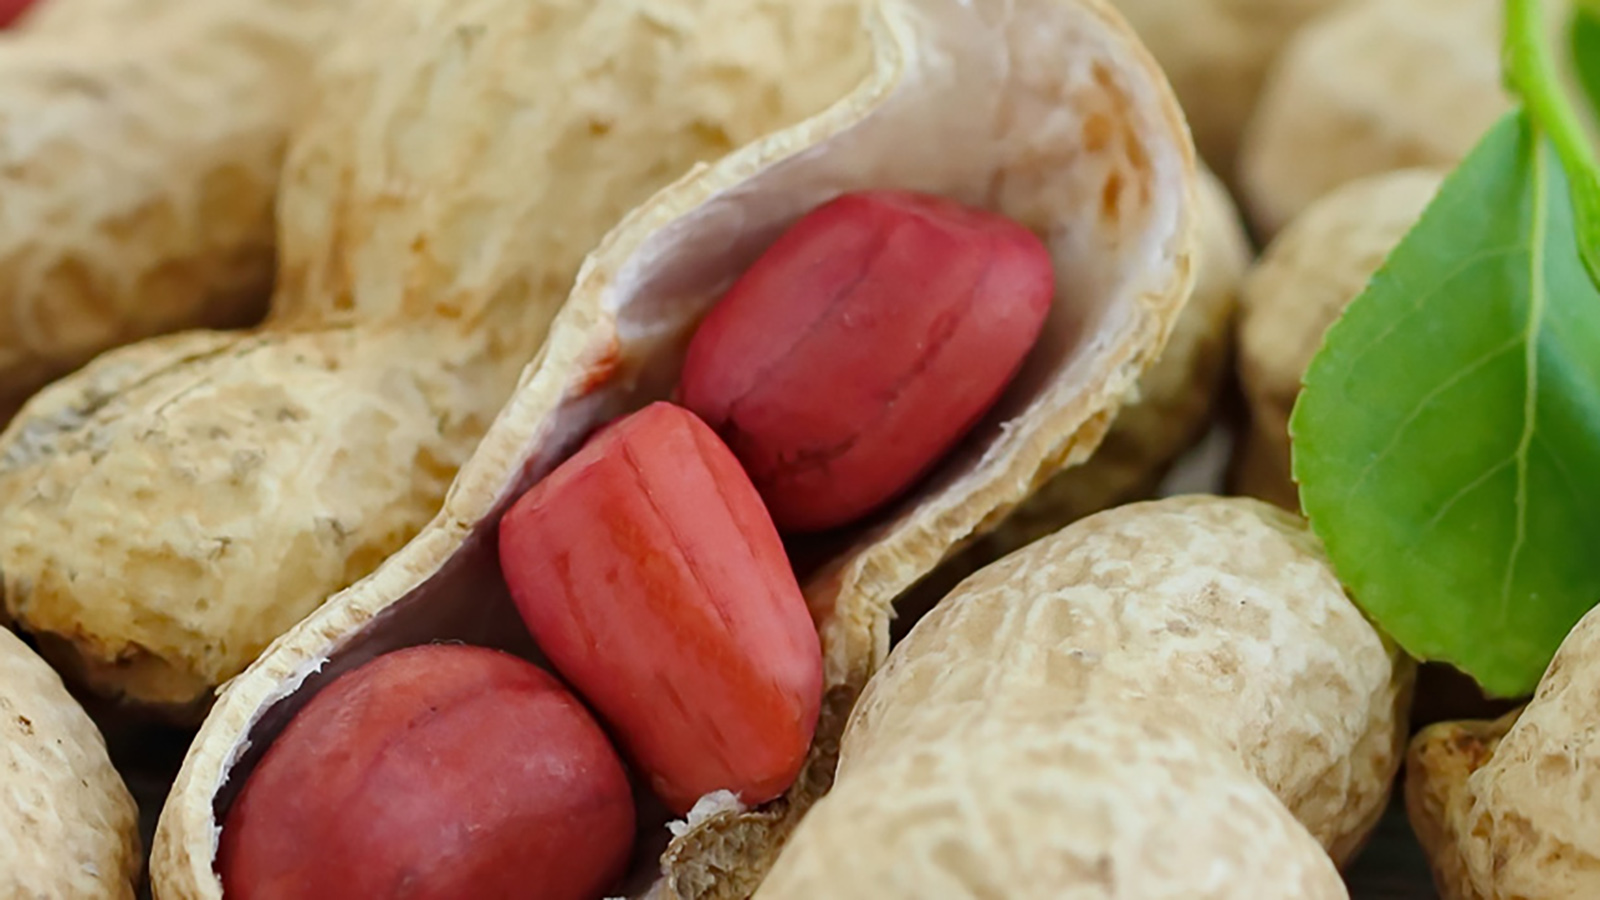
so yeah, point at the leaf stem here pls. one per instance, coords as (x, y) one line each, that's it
(1531, 72)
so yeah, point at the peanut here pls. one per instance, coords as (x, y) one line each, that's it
(1093, 803)
(68, 826)
(1218, 54)
(866, 341)
(1373, 86)
(1219, 619)
(1048, 112)
(653, 579)
(439, 771)
(143, 143)
(1299, 287)
(1504, 807)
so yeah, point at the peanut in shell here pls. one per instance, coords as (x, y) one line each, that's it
(1503, 806)
(1218, 54)
(67, 822)
(1219, 614)
(1099, 786)
(1372, 86)
(143, 143)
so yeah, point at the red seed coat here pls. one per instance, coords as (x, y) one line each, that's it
(652, 577)
(433, 773)
(863, 345)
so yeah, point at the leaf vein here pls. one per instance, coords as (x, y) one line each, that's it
(1422, 403)
(1461, 494)
(1422, 299)
(1530, 395)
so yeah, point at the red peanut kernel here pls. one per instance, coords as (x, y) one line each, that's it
(651, 576)
(433, 773)
(863, 345)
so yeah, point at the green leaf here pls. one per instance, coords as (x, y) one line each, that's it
(1584, 44)
(1447, 440)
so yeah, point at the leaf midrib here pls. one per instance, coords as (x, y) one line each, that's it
(1530, 397)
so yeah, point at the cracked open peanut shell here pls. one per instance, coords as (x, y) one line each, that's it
(1048, 111)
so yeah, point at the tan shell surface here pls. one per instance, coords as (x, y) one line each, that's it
(171, 509)
(1046, 110)
(1219, 615)
(1299, 287)
(1217, 54)
(67, 822)
(1441, 758)
(140, 149)
(1507, 808)
(243, 467)
(1093, 803)
(100, 17)
(1373, 86)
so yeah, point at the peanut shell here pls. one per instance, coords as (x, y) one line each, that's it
(143, 141)
(1220, 617)
(67, 822)
(1048, 111)
(168, 511)
(1373, 86)
(1504, 808)
(1094, 803)
(1217, 54)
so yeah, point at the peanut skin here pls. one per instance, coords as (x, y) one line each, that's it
(651, 576)
(863, 345)
(440, 771)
